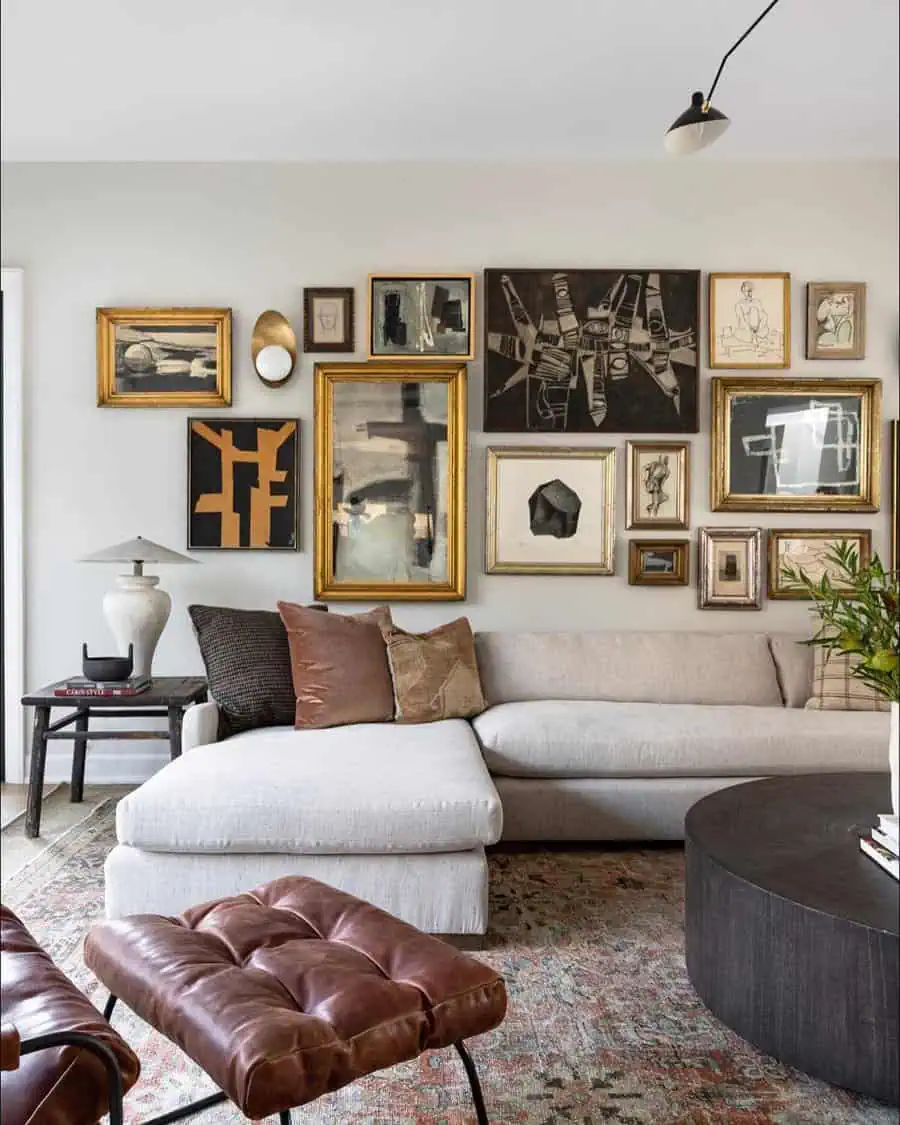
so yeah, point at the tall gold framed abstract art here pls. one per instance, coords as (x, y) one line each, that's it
(795, 445)
(390, 481)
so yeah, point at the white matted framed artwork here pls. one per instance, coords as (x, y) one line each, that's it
(550, 510)
(750, 320)
(728, 565)
(658, 485)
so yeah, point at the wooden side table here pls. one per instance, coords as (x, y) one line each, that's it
(167, 696)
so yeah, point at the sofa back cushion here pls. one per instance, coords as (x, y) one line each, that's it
(794, 665)
(711, 668)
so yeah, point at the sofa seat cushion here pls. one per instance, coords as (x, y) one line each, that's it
(368, 788)
(565, 738)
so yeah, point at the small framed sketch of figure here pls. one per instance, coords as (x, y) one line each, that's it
(658, 485)
(163, 357)
(750, 320)
(550, 510)
(729, 568)
(420, 316)
(808, 551)
(328, 320)
(836, 320)
(658, 562)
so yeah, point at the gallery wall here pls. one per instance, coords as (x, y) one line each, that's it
(252, 236)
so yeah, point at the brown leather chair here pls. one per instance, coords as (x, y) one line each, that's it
(61, 1062)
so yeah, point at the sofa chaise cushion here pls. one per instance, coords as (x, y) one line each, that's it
(556, 738)
(714, 668)
(367, 788)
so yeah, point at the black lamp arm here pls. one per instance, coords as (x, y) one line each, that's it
(734, 47)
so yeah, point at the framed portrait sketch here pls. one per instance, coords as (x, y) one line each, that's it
(836, 320)
(243, 487)
(658, 485)
(328, 320)
(795, 445)
(390, 482)
(750, 320)
(591, 351)
(730, 575)
(807, 550)
(421, 316)
(550, 510)
(658, 562)
(163, 357)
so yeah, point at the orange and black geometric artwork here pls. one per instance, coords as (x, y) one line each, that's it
(242, 484)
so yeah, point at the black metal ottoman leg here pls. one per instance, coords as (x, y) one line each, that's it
(472, 1075)
(285, 1117)
(108, 1008)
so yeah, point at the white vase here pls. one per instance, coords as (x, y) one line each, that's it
(137, 613)
(894, 757)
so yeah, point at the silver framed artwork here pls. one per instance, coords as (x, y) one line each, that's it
(729, 568)
(421, 316)
(550, 511)
(836, 320)
(658, 485)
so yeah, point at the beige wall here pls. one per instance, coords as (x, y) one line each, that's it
(251, 236)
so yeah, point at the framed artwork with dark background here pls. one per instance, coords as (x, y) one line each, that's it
(243, 486)
(591, 350)
(328, 320)
(421, 316)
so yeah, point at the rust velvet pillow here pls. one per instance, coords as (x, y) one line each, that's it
(435, 674)
(339, 666)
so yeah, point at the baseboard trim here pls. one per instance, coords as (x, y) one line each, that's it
(108, 765)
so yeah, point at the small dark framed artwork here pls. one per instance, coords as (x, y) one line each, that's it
(658, 562)
(243, 487)
(421, 316)
(328, 324)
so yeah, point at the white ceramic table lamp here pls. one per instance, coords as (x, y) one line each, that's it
(135, 610)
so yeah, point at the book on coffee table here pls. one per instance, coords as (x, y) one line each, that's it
(79, 685)
(881, 855)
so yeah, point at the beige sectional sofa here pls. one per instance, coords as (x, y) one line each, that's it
(592, 737)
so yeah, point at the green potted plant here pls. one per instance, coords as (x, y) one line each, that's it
(857, 607)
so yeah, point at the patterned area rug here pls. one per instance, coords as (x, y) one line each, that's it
(603, 1025)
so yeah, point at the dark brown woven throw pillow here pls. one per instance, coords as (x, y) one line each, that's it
(248, 666)
(340, 667)
(435, 674)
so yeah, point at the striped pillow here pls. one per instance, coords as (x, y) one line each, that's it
(835, 688)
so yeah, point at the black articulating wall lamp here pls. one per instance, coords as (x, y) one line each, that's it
(702, 124)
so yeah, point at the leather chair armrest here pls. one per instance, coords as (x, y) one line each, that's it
(9, 1047)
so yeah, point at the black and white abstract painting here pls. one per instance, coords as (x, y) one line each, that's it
(166, 357)
(591, 351)
(421, 317)
(550, 511)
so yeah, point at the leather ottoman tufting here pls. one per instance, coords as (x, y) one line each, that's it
(293, 990)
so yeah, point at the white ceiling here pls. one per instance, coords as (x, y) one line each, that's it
(440, 79)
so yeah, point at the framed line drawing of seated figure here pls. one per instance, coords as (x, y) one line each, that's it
(750, 320)
(795, 445)
(390, 482)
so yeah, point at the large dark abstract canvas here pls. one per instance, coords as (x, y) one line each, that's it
(242, 484)
(591, 351)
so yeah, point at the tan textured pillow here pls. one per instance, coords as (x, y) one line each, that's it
(836, 689)
(339, 666)
(435, 674)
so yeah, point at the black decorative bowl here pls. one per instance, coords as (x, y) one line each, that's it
(107, 667)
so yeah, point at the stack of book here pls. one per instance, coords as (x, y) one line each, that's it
(883, 845)
(80, 685)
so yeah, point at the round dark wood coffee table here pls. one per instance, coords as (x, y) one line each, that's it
(791, 932)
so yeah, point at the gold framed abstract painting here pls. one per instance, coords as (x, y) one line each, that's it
(807, 550)
(421, 316)
(658, 562)
(164, 357)
(243, 486)
(390, 482)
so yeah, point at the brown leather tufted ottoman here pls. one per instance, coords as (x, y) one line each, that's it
(293, 990)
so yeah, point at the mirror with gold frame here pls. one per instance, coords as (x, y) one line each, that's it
(390, 481)
(795, 445)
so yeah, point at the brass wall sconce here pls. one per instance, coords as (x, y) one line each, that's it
(273, 348)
